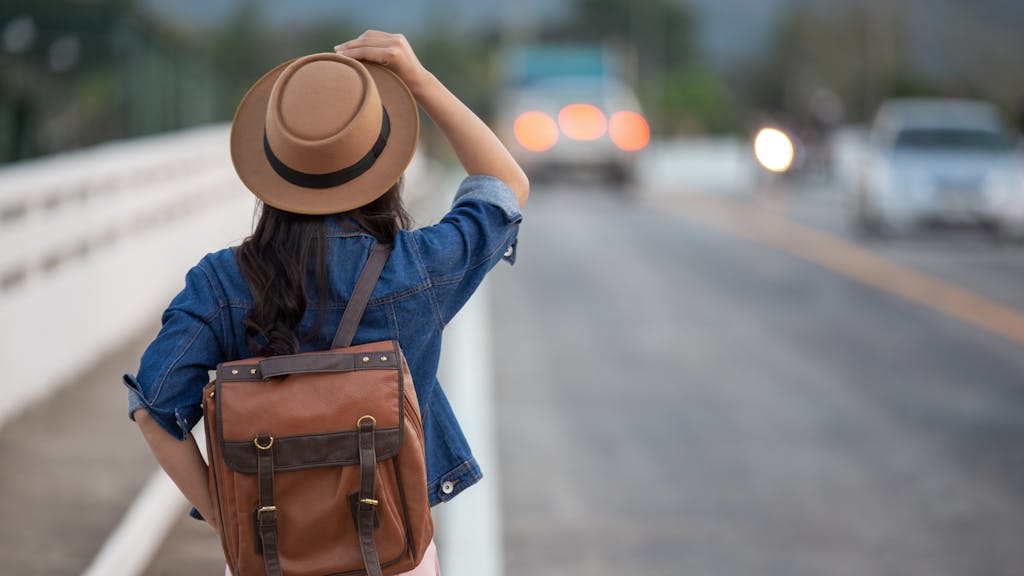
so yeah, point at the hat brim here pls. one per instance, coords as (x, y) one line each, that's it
(252, 166)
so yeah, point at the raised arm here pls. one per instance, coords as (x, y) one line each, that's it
(476, 146)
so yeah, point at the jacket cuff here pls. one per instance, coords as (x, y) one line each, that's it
(491, 190)
(168, 421)
(454, 481)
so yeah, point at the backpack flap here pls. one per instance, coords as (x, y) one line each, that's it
(310, 404)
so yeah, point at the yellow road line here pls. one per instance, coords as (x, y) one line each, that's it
(831, 252)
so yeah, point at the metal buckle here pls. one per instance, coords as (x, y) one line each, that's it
(369, 501)
(271, 520)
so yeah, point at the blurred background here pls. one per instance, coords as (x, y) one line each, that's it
(767, 314)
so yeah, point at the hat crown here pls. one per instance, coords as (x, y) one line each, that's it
(324, 114)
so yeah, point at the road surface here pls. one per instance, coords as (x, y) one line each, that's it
(681, 392)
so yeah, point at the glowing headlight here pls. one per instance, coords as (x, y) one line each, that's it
(774, 150)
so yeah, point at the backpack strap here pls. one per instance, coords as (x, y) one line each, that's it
(361, 296)
(266, 512)
(367, 508)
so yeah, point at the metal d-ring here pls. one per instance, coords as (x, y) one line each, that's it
(256, 441)
(361, 418)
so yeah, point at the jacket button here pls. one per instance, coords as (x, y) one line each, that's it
(508, 252)
(447, 487)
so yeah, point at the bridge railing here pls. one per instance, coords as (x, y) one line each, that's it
(96, 241)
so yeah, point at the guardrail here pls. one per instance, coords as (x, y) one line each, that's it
(96, 241)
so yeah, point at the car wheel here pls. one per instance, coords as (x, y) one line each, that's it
(621, 175)
(866, 221)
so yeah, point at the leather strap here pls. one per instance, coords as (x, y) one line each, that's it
(367, 503)
(361, 296)
(322, 362)
(266, 514)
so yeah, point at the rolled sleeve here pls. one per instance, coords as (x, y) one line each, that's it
(491, 190)
(137, 401)
(480, 230)
(496, 193)
(174, 368)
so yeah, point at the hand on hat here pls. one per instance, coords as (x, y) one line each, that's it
(391, 50)
(479, 150)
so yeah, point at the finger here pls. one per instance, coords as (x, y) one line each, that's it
(375, 42)
(380, 56)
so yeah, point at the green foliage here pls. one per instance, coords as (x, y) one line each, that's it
(463, 64)
(906, 84)
(239, 50)
(659, 32)
(690, 99)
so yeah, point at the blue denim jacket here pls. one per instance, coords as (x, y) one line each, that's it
(431, 273)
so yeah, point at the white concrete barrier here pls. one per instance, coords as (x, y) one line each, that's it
(469, 528)
(96, 242)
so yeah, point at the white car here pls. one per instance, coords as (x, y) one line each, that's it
(936, 161)
(574, 123)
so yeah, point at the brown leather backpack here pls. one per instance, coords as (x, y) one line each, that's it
(317, 461)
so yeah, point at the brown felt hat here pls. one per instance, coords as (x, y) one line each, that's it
(323, 134)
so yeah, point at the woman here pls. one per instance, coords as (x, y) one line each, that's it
(328, 174)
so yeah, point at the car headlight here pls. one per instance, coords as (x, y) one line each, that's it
(1005, 188)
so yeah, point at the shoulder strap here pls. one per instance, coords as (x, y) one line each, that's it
(361, 296)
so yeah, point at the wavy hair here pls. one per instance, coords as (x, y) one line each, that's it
(285, 252)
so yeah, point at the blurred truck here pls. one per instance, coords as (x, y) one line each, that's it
(566, 109)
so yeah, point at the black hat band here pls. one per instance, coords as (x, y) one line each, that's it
(331, 179)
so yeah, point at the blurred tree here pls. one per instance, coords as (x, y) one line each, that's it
(91, 71)
(319, 36)
(696, 100)
(660, 32)
(678, 92)
(865, 52)
(462, 62)
(240, 50)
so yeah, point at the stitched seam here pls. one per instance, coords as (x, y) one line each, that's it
(498, 248)
(393, 317)
(482, 260)
(459, 470)
(378, 301)
(217, 289)
(204, 321)
(181, 353)
(457, 279)
(510, 218)
(431, 294)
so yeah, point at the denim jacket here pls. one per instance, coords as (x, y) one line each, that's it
(431, 273)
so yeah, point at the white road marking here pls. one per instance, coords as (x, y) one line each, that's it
(132, 545)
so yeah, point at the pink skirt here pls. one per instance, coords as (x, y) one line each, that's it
(429, 566)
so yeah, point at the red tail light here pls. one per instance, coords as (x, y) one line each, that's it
(629, 131)
(582, 122)
(535, 131)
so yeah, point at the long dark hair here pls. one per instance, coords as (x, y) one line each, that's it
(284, 252)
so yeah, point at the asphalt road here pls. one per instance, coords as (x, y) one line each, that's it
(679, 395)
(683, 387)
